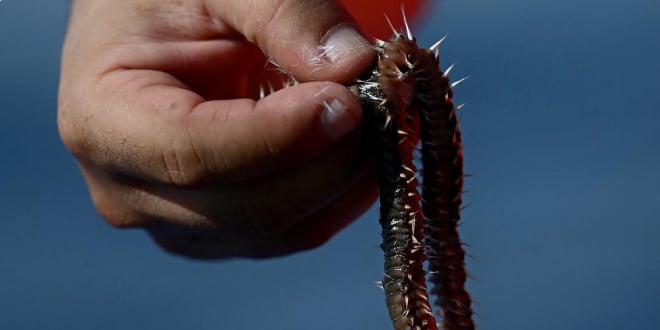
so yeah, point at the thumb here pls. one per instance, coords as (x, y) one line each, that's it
(310, 39)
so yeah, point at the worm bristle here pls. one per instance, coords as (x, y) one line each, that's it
(394, 30)
(458, 82)
(435, 48)
(408, 99)
(448, 69)
(405, 24)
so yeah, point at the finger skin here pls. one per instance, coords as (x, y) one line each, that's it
(163, 135)
(291, 33)
(164, 123)
(178, 132)
(251, 209)
(281, 130)
(309, 234)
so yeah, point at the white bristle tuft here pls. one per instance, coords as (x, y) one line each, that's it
(436, 46)
(458, 82)
(448, 70)
(405, 24)
(392, 26)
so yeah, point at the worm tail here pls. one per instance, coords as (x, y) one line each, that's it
(407, 99)
(442, 159)
(397, 132)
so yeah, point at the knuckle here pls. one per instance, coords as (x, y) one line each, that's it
(184, 168)
(72, 138)
(254, 30)
(115, 215)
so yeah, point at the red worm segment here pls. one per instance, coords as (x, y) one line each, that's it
(407, 98)
(442, 160)
(401, 216)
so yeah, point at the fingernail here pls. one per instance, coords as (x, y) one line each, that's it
(341, 41)
(336, 119)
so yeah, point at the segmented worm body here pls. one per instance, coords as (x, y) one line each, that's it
(407, 99)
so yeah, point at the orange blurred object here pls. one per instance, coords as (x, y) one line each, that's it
(371, 14)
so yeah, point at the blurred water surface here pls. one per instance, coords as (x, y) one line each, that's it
(562, 136)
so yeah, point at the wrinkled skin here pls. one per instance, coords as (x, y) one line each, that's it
(158, 103)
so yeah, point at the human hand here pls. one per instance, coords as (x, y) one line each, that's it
(158, 102)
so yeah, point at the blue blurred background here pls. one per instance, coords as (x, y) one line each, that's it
(562, 136)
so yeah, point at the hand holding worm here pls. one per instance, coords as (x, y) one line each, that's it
(159, 102)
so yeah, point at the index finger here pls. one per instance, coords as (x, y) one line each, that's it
(312, 40)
